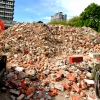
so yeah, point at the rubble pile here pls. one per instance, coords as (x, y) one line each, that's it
(38, 67)
(38, 38)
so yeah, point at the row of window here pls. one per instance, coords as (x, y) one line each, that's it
(8, 14)
(3, 5)
(6, 18)
(10, 2)
(4, 9)
(10, 6)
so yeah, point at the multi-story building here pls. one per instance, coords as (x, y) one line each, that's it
(7, 12)
(59, 17)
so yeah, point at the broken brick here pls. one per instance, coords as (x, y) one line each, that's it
(91, 97)
(71, 77)
(75, 97)
(76, 88)
(30, 90)
(66, 86)
(82, 93)
(83, 84)
(23, 85)
(41, 76)
(53, 92)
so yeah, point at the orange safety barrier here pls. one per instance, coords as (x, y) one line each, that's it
(2, 27)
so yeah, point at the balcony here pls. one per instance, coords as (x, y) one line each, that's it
(8, 16)
(11, 4)
(1, 10)
(2, 2)
(9, 7)
(1, 15)
(9, 12)
(2, 6)
(11, 0)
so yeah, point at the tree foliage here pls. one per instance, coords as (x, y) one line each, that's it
(73, 21)
(90, 17)
(58, 22)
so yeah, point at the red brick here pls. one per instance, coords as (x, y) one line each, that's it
(83, 84)
(65, 85)
(26, 52)
(73, 59)
(58, 77)
(53, 92)
(23, 85)
(74, 86)
(75, 97)
(30, 90)
(11, 79)
(41, 76)
(71, 77)
(40, 88)
(45, 82)
(91, 97)
(82, 93)
(82, 76)
(22, 91)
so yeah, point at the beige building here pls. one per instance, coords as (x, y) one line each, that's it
(59, 17)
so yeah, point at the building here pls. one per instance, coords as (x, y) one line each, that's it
(59, 17)
(7, 12)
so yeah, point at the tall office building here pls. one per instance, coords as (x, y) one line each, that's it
(7, 12)
(59, 17)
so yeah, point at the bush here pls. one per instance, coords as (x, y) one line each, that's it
(58, 22)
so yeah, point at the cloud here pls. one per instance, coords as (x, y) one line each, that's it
(75, 7)
(29, 10)
(69, 7)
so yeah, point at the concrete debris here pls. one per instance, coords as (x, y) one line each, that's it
(49, 62)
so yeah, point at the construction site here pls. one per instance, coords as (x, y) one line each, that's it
(41, 61)
(49, 62)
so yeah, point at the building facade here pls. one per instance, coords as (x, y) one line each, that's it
(59, 17)
(7, 12)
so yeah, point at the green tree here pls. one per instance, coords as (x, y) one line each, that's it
(73, 21)
(58, 22)
(90, 17)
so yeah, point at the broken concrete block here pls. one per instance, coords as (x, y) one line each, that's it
(14, 92)
(10, 75)
(59, 86)
(89, 82)
(89, 75)
(94, 55)
(46, 72)
(19, 69)
(13, 97)
(21, 97)
(22, 74)
(51, 85)
(32, 72)
(29, 96)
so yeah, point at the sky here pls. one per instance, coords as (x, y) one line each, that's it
(42, 10)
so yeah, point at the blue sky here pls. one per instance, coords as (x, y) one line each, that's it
(36, 10)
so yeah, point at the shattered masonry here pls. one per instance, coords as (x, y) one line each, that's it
(38, 67)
